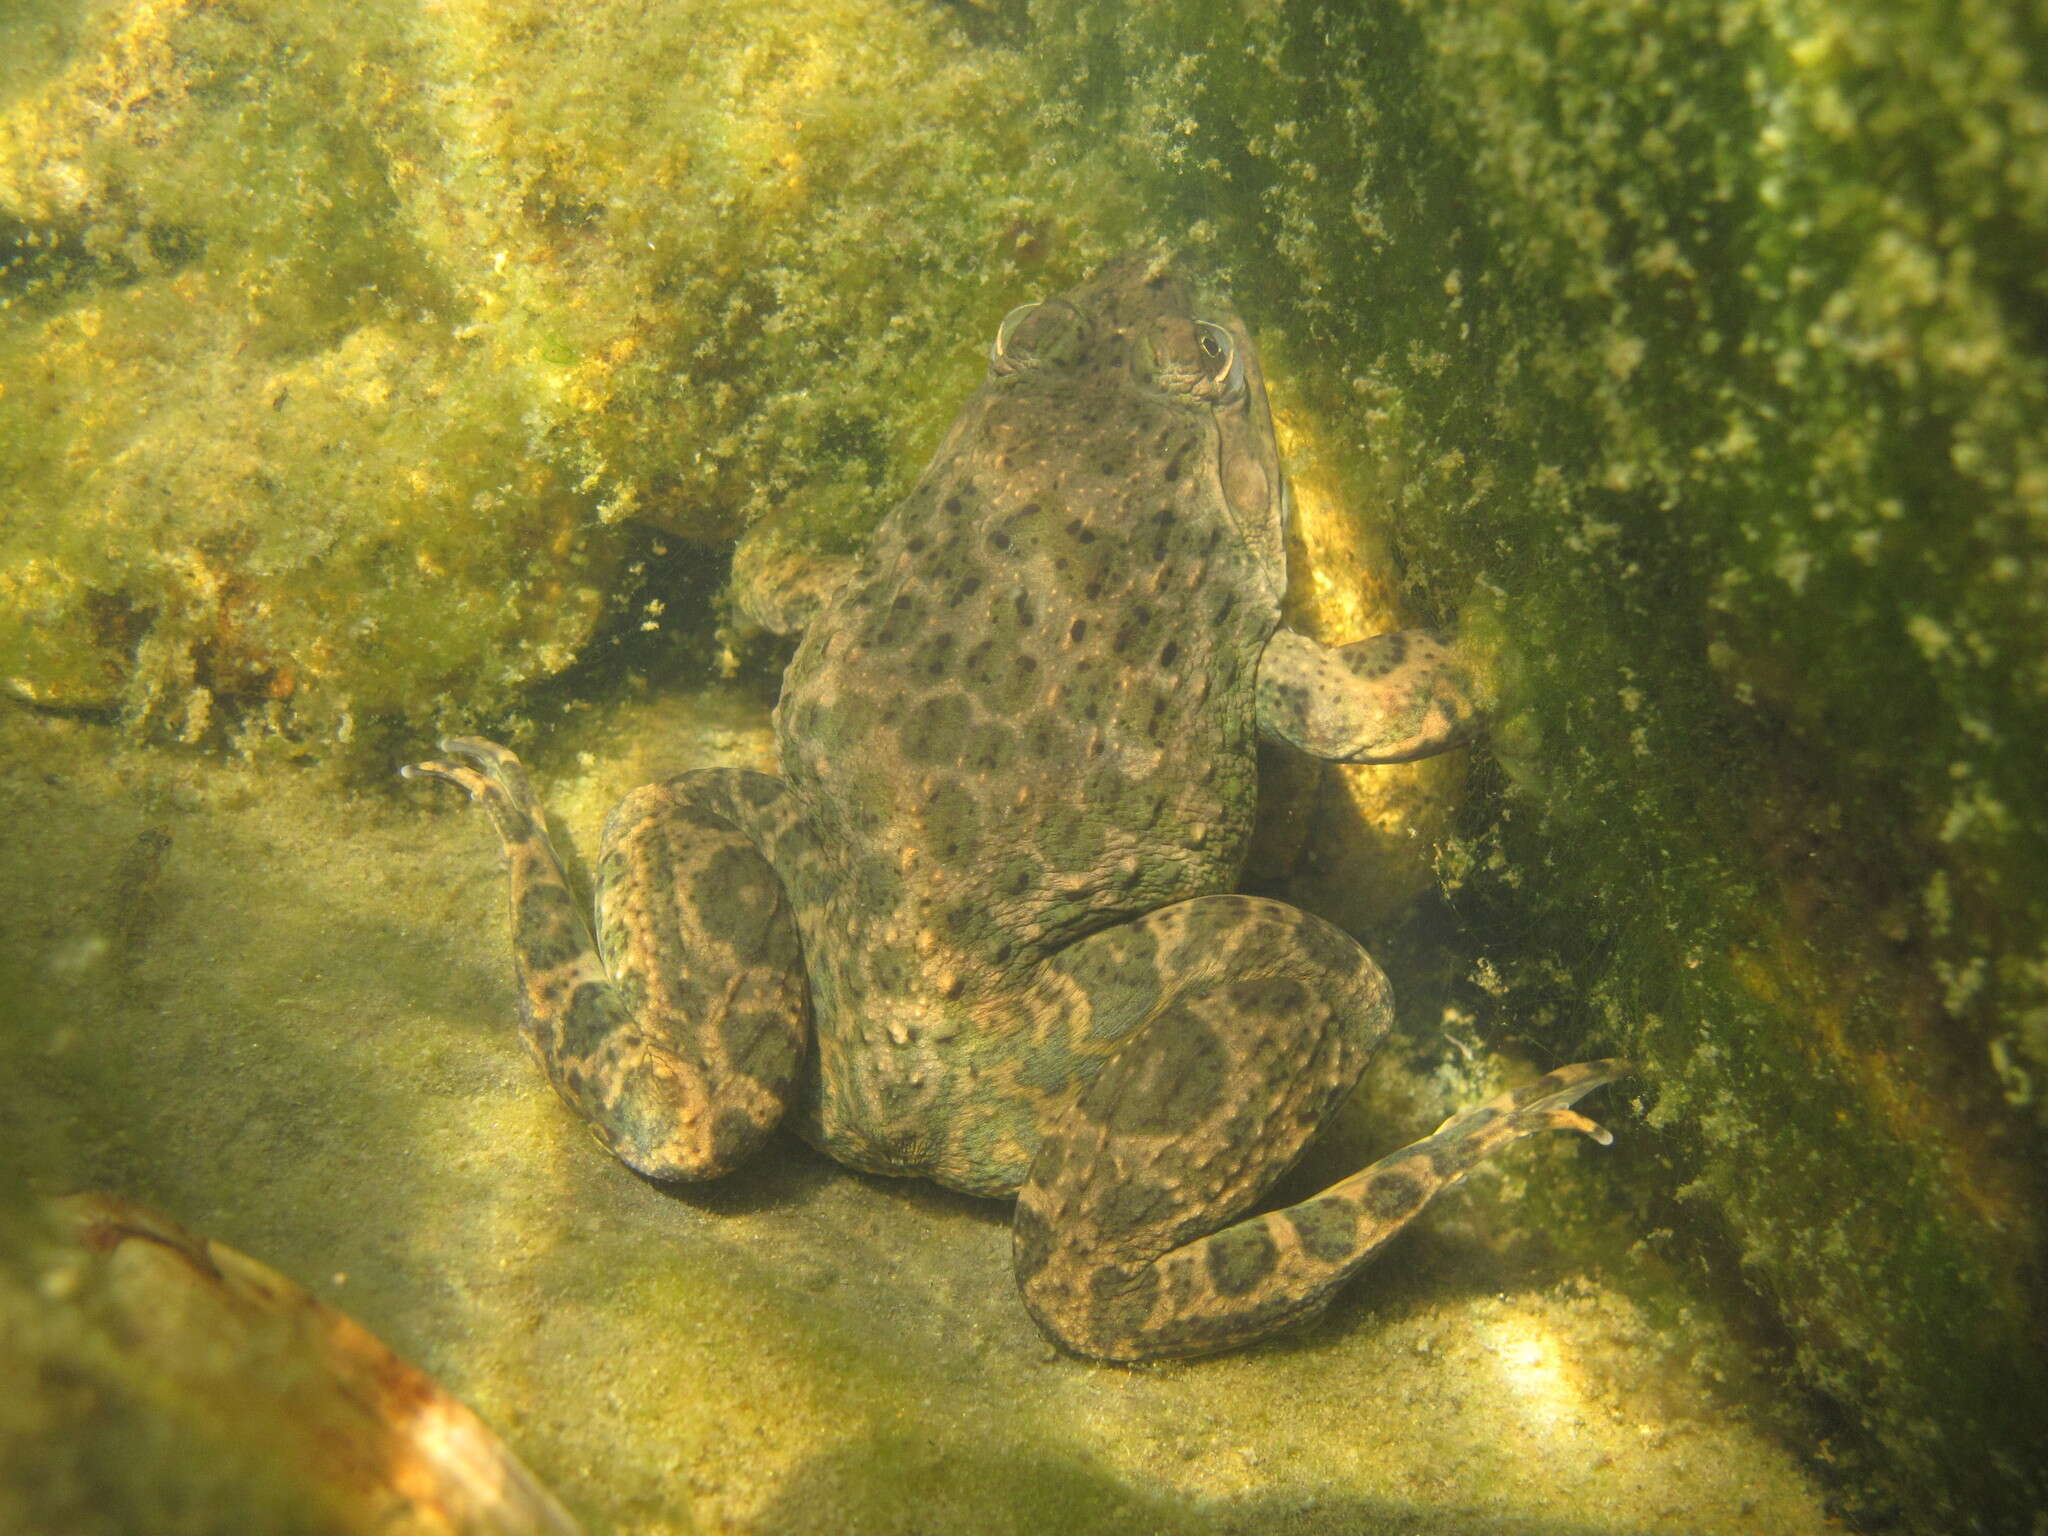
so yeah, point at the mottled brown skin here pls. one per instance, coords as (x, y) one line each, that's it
(981, 930)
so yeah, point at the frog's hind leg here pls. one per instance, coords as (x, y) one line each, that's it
(1127, 1237)
(676, 1030)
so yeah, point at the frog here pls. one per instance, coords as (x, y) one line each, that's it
(984, 926)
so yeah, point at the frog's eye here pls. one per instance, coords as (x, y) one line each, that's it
(999, 352)
(1218, 348)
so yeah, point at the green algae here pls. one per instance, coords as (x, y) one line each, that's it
(340, 345)
(244, 462)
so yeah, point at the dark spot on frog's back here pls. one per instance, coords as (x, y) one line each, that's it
(952, 818)
(939, 730)
(936, 654)
(1018, 689)
(975, 665)
(994, 748)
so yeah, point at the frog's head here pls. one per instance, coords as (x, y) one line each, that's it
(1137, 340)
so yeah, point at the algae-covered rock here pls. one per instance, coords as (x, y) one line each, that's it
(245, 451)
(338, 342)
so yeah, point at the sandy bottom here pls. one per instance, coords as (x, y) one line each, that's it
(282, 1015)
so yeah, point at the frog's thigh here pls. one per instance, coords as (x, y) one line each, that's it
(1258, 1022)
(677, 1031)
(1390, 699)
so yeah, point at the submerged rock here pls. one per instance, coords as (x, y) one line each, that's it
(162, 1381)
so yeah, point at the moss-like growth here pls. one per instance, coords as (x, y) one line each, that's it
(339, 345)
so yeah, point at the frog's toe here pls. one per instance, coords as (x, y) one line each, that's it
(485, 771)
(487, 755)
(1547, 1102)
(1572, 1120)
(1543, 1105)
(466, 779)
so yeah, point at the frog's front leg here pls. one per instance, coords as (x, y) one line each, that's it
(1390, 699)
(677, 1030)
(1242, 1025)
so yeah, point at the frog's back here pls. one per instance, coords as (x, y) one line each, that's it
(1029, 713)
